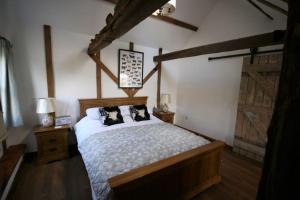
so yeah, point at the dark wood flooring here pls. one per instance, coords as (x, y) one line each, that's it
(68, 180)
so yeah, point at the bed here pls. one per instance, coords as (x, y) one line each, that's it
(145, 160)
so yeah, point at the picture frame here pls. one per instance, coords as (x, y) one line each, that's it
(131, 68)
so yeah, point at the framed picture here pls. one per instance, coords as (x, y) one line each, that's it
(131, 66)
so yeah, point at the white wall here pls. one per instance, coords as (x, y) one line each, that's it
(208, 91)
(74, 70)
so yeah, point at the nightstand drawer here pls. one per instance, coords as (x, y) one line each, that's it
(168, 120)
(53, 149)
(50, 139)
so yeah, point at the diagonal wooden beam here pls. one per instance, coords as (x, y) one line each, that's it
(149, 75)
(266, 85)
(107, 71)
(273, 6)
(127, 14)
(176, 22)
(260, 9)
(258, 125)
(168, 19)
(267, 39)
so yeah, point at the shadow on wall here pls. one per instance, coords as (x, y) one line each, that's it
(22, 71)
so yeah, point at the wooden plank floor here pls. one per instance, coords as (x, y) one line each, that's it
(68, 180)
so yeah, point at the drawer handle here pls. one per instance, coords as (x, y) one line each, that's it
(53, 149)
(52, 140)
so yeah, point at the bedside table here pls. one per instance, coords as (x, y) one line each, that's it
(52, 143)
(165, 116)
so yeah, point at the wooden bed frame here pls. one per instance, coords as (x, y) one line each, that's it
(182, 176)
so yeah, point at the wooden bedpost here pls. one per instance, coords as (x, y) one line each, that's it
(281, 164)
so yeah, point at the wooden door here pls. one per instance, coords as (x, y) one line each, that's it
(256, 101)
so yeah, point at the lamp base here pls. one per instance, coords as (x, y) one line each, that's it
(47, 120)
(165, 108)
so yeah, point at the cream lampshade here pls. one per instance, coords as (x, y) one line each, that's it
(44, 107)
(165, 101)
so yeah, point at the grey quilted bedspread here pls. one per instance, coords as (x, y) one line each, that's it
(114, 152)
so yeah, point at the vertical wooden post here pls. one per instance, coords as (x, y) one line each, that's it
(158, 80)
(49, 64)
(98, 77)
(131, 46)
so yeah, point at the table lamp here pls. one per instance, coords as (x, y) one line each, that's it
(46, 106)
(165, 101)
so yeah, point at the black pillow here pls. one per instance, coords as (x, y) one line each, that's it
(139, 113)
(112, 115)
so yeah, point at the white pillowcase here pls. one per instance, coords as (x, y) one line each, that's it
(127, 119)
(125, 110)
(93, 113)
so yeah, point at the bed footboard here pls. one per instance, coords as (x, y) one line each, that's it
(179, 177)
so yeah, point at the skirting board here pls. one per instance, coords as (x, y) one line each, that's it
(11, 179)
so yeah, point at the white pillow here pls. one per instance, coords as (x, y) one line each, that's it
(93, 113)
(127, 119)
(125, 110)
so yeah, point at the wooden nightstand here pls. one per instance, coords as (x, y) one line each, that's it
(52, 143)
(165, 116)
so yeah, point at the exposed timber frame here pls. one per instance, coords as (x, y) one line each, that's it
(260, 9)
(274, 7)
(49, 63)
(127, 14)
(267, 39)
(131, 92)
(168, 19)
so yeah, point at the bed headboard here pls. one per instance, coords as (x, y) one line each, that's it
(90, 103)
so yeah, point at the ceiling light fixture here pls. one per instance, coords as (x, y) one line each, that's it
(166, 9)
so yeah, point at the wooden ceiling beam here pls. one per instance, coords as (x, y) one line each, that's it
(273, 6)
(127, 14)
(168, 19)
(260, 9)
(267, 39)
(176, 22)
